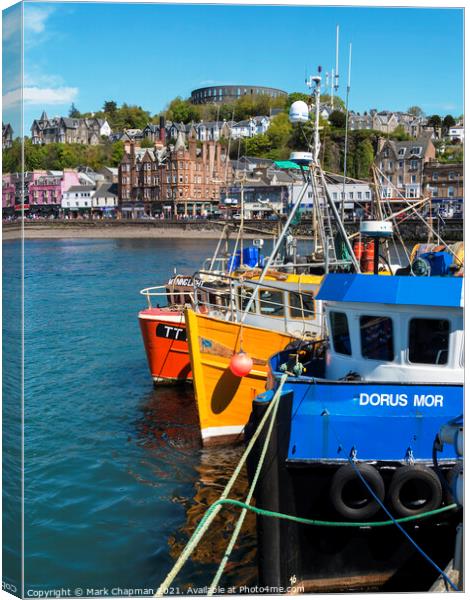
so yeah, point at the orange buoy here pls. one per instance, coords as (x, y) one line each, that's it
(241, 364)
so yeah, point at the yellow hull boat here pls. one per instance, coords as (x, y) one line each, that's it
(224, 400)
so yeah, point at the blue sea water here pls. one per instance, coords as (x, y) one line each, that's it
(115, 478)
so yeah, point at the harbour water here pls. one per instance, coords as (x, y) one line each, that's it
(115, 477)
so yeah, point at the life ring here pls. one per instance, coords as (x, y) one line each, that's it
(349, 495)
(414, 489)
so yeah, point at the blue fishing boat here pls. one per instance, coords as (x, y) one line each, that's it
(354, 440)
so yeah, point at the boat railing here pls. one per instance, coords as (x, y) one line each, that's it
(228, 296)
(163, 291)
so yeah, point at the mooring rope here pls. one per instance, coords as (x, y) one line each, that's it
(204, 523)
(242, 516)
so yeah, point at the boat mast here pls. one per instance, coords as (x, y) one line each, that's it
(348, 88)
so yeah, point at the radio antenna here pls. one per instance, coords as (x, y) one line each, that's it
(337, 61)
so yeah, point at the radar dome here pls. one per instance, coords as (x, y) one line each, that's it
(298, 112)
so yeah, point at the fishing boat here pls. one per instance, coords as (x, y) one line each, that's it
(162, 322)
(355, 432)
(221, 331)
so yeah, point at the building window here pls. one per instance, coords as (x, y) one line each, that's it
(368, 195)
(335, 195)
(435, 176)
(451, 191)
(351, 195)
(451, 175)
(429, 341)
(400, 164)
(359, 195)
(340, 333)
(413, 179)
(414, 164)
(376, 337)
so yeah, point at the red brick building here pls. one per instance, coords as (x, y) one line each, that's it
(180, 180)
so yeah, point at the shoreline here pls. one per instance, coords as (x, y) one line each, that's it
(124, 232)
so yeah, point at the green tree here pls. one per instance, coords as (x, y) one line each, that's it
(400, 134)
(363, 159)
(435, 122)
(279, 130)
(74, 113)
(180, 110)
(117, 153)
(338, 103)
(416, 111)
(109, 107)
(295, 96)
(146, 143)
(338, 119)
(448, 122)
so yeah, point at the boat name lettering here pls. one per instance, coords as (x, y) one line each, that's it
(170, 332)
(419, 400)
(184, 281)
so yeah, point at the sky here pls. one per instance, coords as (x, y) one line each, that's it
(148, 54)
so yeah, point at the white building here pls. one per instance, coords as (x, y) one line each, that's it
(105, 198)
(78, 197)
(355, 194)
(457, 132)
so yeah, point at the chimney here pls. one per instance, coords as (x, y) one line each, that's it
(162, 130)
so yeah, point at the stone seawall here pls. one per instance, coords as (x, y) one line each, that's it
(412, 230)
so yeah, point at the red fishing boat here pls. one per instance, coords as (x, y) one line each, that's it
(164, 330)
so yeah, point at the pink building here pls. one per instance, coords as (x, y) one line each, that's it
(45, 190)
(8, 193)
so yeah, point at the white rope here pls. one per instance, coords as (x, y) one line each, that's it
(199, 532)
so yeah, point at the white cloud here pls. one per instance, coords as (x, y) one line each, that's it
(35, 18)
(40, 96)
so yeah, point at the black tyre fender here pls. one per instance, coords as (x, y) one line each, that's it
(422, 476)
(347, 474)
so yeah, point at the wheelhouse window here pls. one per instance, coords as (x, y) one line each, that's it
(271, 303)
(376, 337)
(340, 333)
(244, 294)
(302, 306)
(429, 341)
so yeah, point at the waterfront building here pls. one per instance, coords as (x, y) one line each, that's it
(402, 164)
(69, 130)
(444, 183)
(174, 181)
(7, 136)
(104, 200)
(230, 93)
(77, 199)
(8, 194)
(42, 192)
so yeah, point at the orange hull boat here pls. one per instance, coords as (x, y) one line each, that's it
(164, 336)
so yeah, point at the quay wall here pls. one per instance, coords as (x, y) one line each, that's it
(412, 230)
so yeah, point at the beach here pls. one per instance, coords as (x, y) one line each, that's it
(122, 230)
